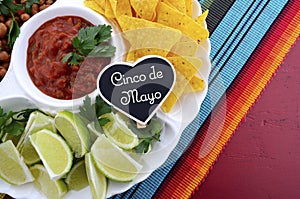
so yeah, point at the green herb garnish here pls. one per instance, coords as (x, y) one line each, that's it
(14, 122)
(8, 7)
(92, 112)
(92, 41)
(13, 32)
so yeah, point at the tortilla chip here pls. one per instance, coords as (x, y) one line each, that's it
(201, 19)
(94, 6)
(151, 41)
(101, 3)
(176, 4)
(168, 16)
(189, 7)
(187, 66)
(135, 54)
(131, 23)
(123, 8)
(169, 103)
(185, 47)
(196, 84)
(144, 9)
(109, 13)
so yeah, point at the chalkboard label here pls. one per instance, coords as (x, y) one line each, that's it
(137, 89)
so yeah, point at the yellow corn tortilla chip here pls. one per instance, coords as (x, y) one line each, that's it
(151, 41)
(185, 71)
(189, 7)
(123, 8)
(201, 19)
(187, 66)
(101, 3)
(176, 4)
(131, 23)
(168, 16)
(185, 47)
(109, 13)
(144, 9)
(169, 103)
(134, 55)
(196, 84)
(94, 6)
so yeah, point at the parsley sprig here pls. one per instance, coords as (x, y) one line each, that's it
(14, 122)
(92, 41)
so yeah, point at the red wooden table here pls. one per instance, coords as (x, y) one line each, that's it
(262, 160)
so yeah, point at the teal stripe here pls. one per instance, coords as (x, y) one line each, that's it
(231, 64)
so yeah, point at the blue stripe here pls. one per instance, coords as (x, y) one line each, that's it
(231, 62)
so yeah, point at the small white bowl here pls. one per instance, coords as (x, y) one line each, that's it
(19, 53)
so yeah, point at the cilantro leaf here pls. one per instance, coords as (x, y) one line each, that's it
(8, 7)
(91, 39)
(103, 121)
(87, 110)
(13, 32)
(147, 135)
(14, 122)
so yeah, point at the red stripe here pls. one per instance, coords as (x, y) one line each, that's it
(186, 164)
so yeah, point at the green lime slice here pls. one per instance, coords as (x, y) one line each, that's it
(77, 178)
(117, 132)
(12, 168)
(37, 121)
(113, 162)
(52, 189)
(97, 181)
(54, 152)
(75, 132)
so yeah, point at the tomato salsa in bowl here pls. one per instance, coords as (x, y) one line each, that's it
(37, 57)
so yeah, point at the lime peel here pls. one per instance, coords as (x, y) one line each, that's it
(12, 167)
(113, 162)
(54, 152)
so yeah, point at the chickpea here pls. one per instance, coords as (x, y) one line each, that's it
(42, 2)
(49, 2)
(4, 56)
(5, 65)
(8, 22)
(34, 8)
(24, 16)
(2, 71)
(3, 30)
(42, 7)
(2, 18)
(23, 1)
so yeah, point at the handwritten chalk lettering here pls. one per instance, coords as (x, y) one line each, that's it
(155, 75)
(117, 79)
(133, 96)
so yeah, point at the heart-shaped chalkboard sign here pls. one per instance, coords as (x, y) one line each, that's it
(138, 89)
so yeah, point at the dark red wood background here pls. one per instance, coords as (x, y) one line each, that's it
(262, 160)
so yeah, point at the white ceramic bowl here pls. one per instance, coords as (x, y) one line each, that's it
(19, 54)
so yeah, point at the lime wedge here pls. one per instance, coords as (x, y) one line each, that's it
(52, 189)
(75, 132)
(97, 181)
(53, 151)
(77, 178)
(113, 162)
(117, 132)
(12, 168)
(37, 121)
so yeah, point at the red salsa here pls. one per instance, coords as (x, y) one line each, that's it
(46, 48)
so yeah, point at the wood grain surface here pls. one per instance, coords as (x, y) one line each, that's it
(262, 160)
